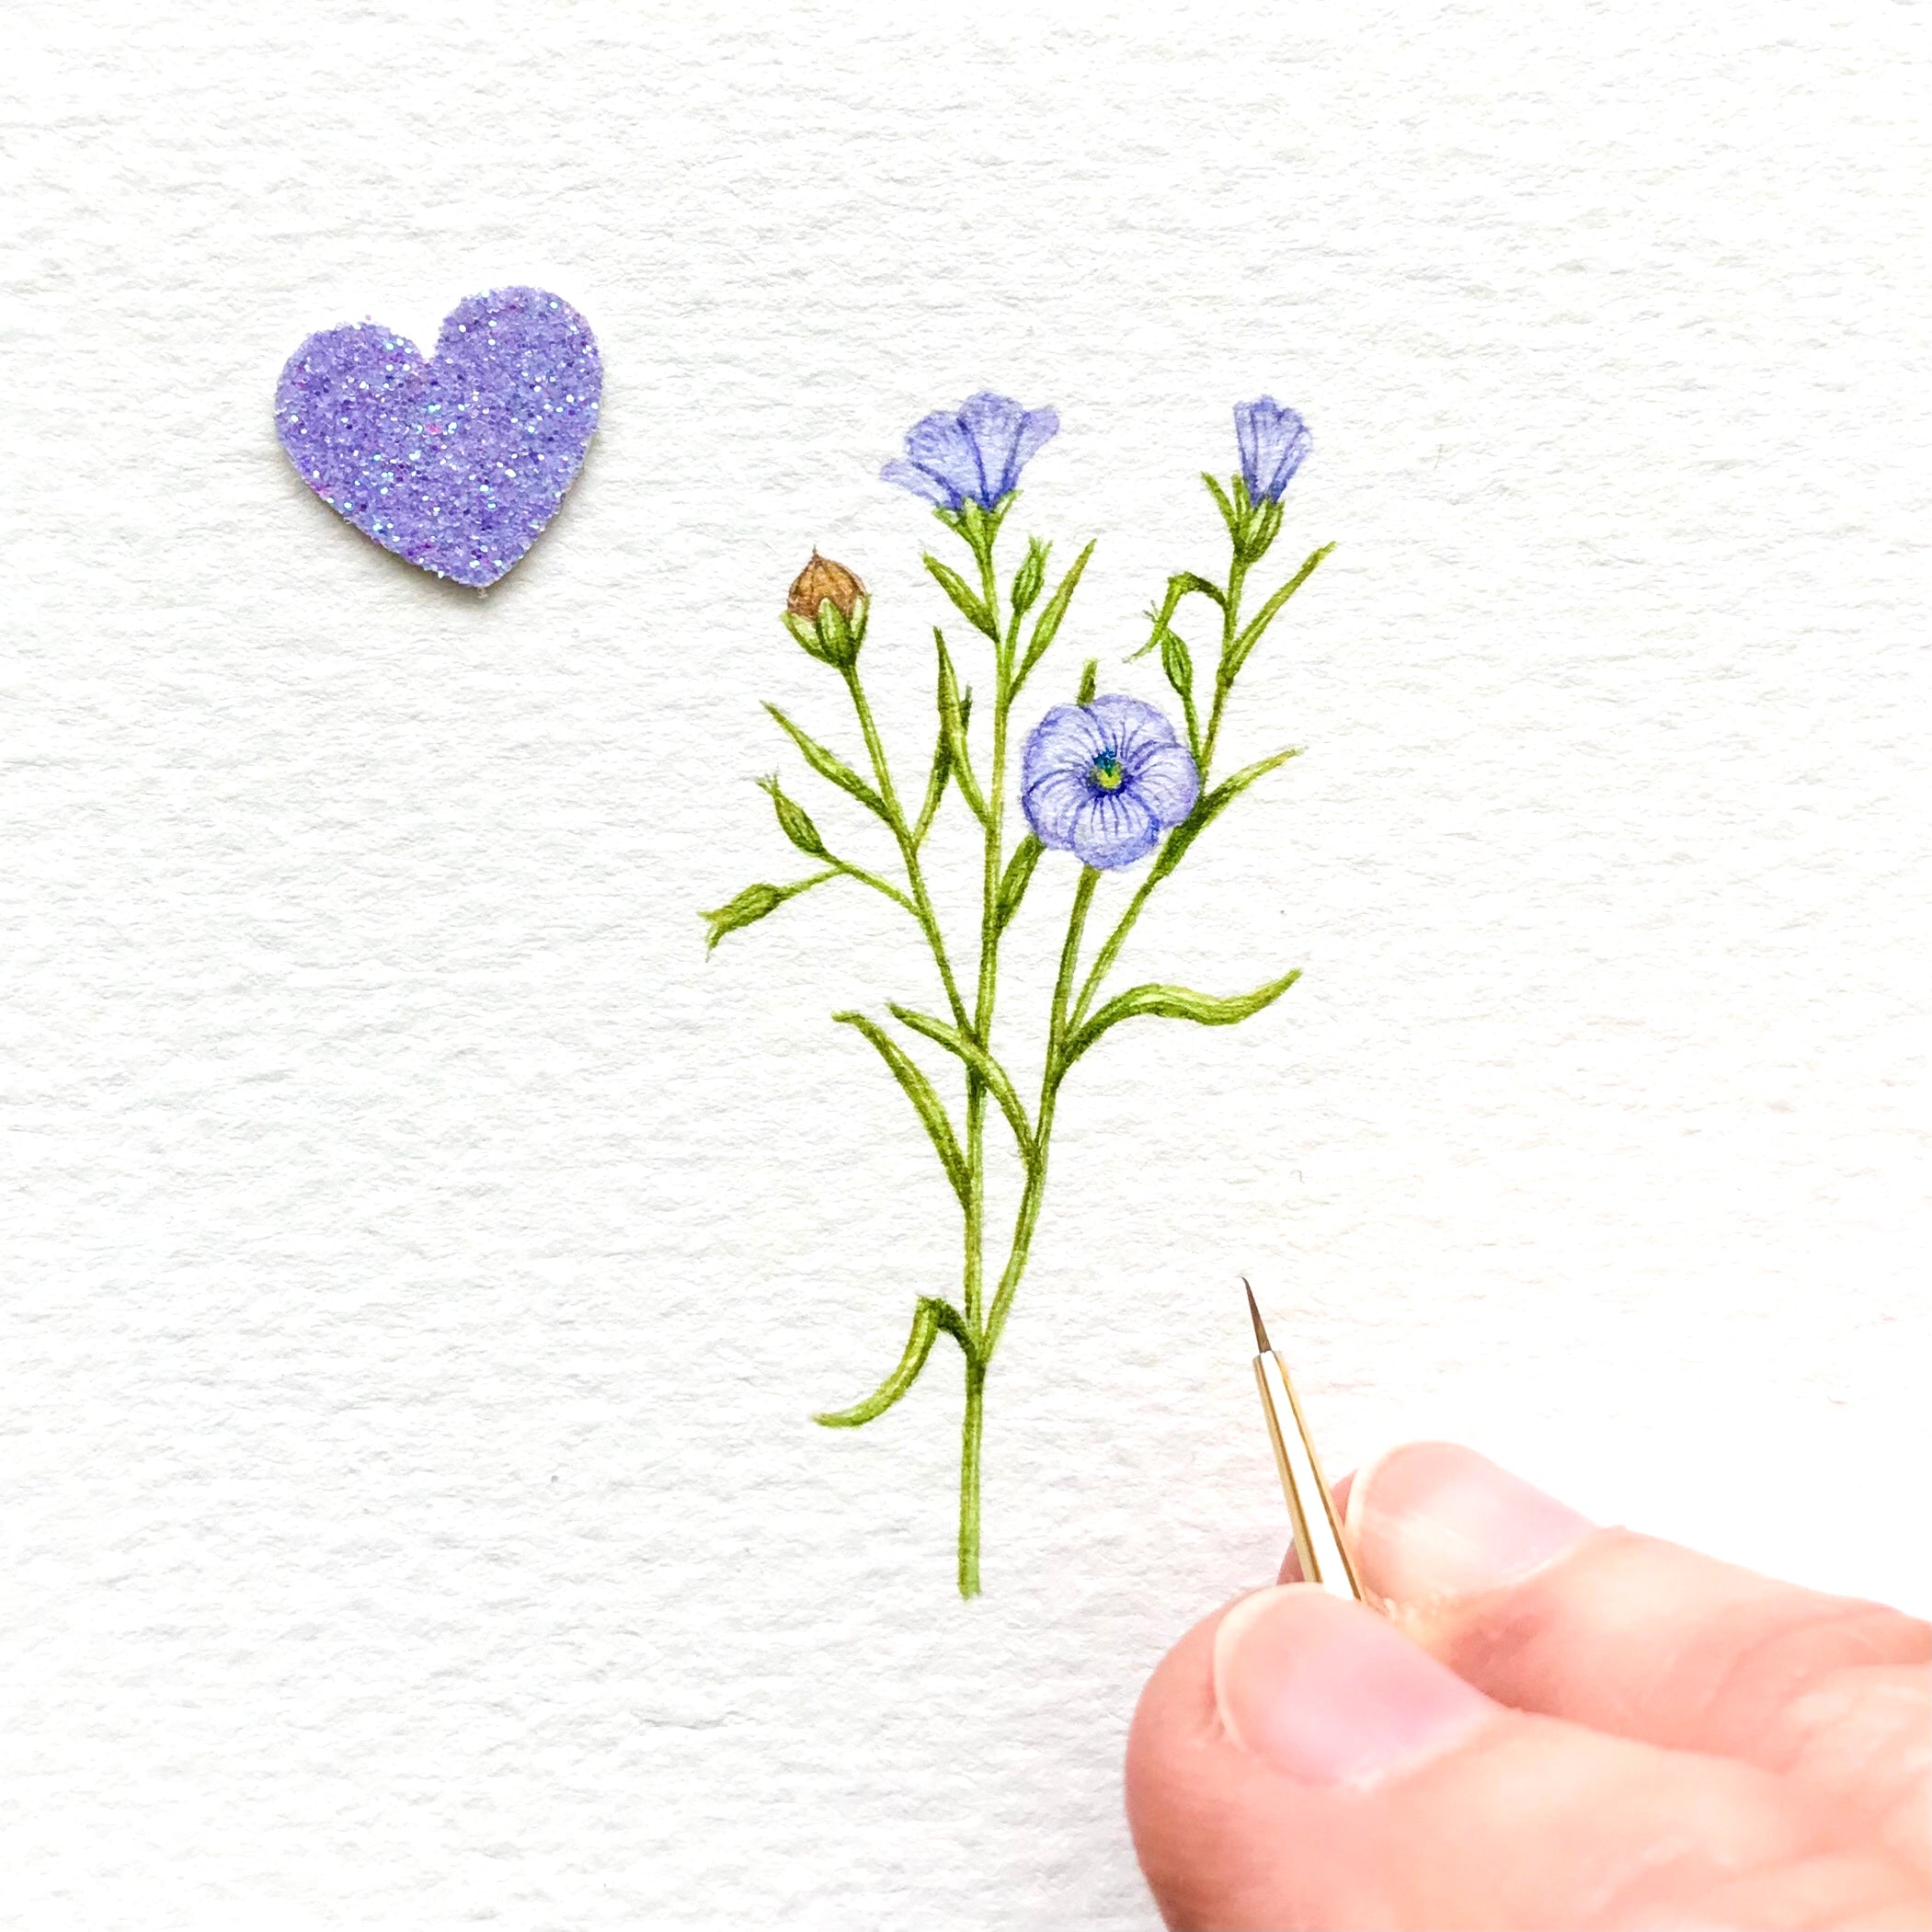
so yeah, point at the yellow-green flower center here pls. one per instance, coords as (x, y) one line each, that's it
(1107, 773)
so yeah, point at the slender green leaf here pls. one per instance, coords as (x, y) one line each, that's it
(1211, 807)
(794, 820)
(972, 606)
(982, 1063)
(942, 771)
(1175, 1002)
(1048, 623)
(919, 1091)
(1090, 682)
(1252, 632)
(928, 1319)
(754, 903)
(1031, 577)
(828, 765)
(1014, 881)
(952, 721)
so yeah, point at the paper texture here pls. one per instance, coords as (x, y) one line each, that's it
(421, 1260)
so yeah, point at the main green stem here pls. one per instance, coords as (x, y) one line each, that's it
(973, 1426)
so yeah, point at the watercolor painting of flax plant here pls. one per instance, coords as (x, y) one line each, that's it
(1107, 778)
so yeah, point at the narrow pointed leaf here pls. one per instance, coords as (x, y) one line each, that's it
(1090, 682)
(1213, 805)
(828, 765)
(971, 606)
(1176, 1003)
(1014, 881)
(952, 721)
(1048, 623)
(1252, 632)
(919, 1091)
(928, 1319)
(982, 1063)
(1221, 501)
(1179, 664)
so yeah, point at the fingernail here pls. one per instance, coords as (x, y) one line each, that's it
(1434, 1520)
(1329, 1693)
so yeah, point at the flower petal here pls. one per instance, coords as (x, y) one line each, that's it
(993, 424)
(1164, 781)
(921, 482)
(1131, 726)
(1053, 804)
(1247, 433)
(1114, 831)
(1067, 739)
(940, 443)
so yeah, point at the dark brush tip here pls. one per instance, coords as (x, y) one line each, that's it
(1261, 1334)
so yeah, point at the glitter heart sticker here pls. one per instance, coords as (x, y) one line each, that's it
(455, 463)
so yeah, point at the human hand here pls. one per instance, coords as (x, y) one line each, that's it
(1555, 1726)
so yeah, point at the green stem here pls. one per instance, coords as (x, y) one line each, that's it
(908, 850)
(969, 1477)
(1058, 1028)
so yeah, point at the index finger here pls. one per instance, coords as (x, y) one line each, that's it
(1628, 1634)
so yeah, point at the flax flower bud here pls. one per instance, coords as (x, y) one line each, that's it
(826, 611)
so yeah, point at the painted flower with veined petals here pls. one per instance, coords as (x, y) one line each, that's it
(974, 455)
(1104, 780)
(1275, 443)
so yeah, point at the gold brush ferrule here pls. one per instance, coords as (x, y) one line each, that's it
(1320, 1543)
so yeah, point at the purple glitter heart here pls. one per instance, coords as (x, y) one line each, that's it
(454, 464)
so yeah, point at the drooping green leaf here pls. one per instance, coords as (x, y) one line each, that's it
(928, 1319)
(754, 903)
(1175, 1002)
(1014, 881)
(828, 765)
(972, 606)
(952, 721)
(1047, 627)
(919, 1091)
(968, 1049)
(794, 820)
(1250, 633)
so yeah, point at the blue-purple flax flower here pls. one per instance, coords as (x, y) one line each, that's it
(1104, 780)
(974, 455)
(1274, 444)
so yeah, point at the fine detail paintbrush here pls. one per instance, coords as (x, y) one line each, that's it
(1320, 1543)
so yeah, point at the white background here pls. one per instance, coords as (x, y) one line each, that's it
(421, 1262)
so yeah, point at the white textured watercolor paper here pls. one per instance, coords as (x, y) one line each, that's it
(421, 1262)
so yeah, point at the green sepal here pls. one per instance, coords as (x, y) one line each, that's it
(928, 1319)
(978, 527)
(828, 765)
(1175, 1002)
(972, 607)
(1225, 503)
(1179, 664)
(794, 820)
(951, 723)
(982, 1063)
(754, 903)
(1250, 633)
(1031, 577)
(1047, 626)
(1014, 881)
(926, 1103)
